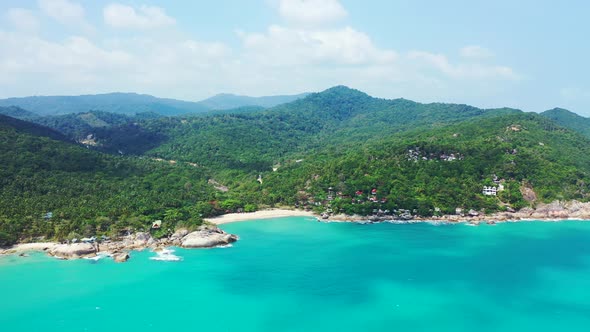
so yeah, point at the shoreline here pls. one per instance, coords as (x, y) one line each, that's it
(262, 214)
(552, 212)
(206, 236)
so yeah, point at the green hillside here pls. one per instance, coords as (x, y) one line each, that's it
(337, 117)
(569, 120)
(17, 112)
(339, 150)
(121, 103)
(87, 192)
(445, 169)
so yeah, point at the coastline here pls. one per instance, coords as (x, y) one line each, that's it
(262, 214)
(206, 236)
(210, 235)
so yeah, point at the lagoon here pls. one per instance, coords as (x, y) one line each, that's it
(296, 274)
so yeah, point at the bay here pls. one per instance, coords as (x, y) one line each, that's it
(296, 274)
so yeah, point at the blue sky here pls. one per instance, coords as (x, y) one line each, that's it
(527, 54)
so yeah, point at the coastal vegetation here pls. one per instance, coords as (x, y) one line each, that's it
(338, 151)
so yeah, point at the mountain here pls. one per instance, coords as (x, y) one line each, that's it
(569, 120)
(133, 103)
(17, 112)
(439, 170)
(122, 103)
(338, 150)
(226, 101)
(57, 189)
(335, 118)
(10, 123)
(106, 132)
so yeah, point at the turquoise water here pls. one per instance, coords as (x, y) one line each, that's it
(295, 274)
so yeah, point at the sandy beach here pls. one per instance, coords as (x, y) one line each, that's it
(26, 247)
(264, 214)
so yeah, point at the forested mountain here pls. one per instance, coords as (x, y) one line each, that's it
(7, 123)
(58, 189)
(570, 120)
(122, 103)
(254, 141)
(17, 112)
(444, 169)
(338, 150)
(133, 103)
(226, 101)
(106, 132)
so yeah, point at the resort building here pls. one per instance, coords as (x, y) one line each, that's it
(490, 191)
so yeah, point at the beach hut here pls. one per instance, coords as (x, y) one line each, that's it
(157, 224)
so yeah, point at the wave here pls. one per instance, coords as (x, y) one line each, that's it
(166, 255)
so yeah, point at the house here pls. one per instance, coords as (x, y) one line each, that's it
(489, 191)
(157, 224)
(88, 239)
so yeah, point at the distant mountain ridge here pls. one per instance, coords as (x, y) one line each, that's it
(569, 120)
(336, 151)
(133, 103)
(225, 101)
(17, 113)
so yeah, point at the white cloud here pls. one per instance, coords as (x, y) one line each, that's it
(476, 52)
(73, 61)
(145, 17)
(283, 46)
(284, 58)
(64, 11)
(311, 12)
(461, 70)
(22, 19)
(574, 94)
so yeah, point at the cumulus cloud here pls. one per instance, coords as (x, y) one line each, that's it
(475, 52)
(64, 11)
(145, 17)
(22, 19)
(461, 70)
(574, 94)
(281, 46)
(311, 12)
(308, 51)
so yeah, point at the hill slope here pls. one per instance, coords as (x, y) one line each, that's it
(17, 112)
(87, 192)
(227, 101)
(444, 169)
(122, 103)
(569, 120)
(339, 150)
(337, 117)
(133, 103)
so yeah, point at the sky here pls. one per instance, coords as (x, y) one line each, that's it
(531, 55)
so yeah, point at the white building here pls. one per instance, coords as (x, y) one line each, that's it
(490, 191)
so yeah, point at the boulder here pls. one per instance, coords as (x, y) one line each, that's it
(207, 237)
(179, 234)
(120, 257)
(142, 237)
(76, 250)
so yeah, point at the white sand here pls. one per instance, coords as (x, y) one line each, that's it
(24, 247)
(264, 214)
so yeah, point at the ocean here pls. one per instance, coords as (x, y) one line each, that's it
(296, 274)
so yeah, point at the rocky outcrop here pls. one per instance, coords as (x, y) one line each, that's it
(70, 251)
(120, 257)
(206, 237)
